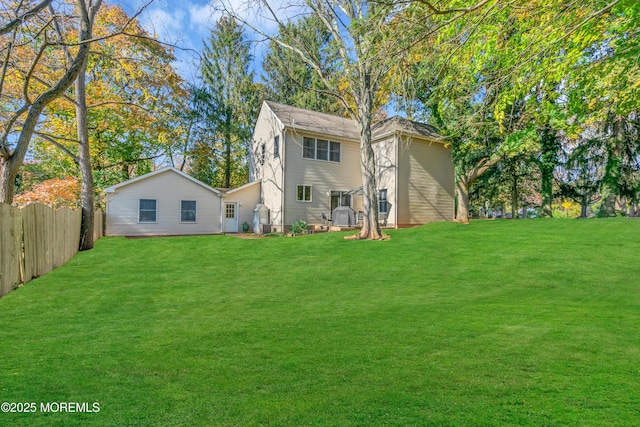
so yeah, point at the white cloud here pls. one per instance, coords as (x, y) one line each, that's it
(186, 23)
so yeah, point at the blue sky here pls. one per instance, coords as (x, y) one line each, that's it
(186, 23)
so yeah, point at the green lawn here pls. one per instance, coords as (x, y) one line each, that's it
(532, 322)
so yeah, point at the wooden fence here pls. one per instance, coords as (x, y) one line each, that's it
(36, 239)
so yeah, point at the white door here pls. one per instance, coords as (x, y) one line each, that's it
(231, 217)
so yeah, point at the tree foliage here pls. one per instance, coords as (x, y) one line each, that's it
(512, 81)
(289, 79)
(134, 98)
(229, 101)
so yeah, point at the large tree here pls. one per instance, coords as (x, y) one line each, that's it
(135, 101)
(502, 72)
(289, 79)
(232, 99)
(31, 74)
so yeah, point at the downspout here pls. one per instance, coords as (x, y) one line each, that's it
(282, 159)
(221, 205)
(397, 162)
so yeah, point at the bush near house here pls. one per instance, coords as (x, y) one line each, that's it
(531, 322)
(299, 227)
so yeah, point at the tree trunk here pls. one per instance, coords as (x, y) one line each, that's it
(8, 173)
(84, 161)
(583, 207)
(514, 197)
(462, 193)
(227, 154)
(549, 160)
(370, 225)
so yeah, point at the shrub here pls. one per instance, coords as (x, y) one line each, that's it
(299, 227)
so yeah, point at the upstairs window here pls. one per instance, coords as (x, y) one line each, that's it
(320, 149)
(276, 147)
(309, 148)
(263, 153)
(147, 210)
(188, 211)
(334, 153)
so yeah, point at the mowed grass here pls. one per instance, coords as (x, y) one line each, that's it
(533, 322)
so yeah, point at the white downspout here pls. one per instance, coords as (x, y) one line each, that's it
(221, 223)
(283, 158)
(395, 204)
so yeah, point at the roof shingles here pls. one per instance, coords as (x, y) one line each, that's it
(341, 127)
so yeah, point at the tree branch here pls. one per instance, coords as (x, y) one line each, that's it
(20, 19)
(50, 138)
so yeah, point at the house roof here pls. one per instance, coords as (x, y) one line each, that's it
(342, 127)
(113, 188)
(400, 124)
(242, 187)
(314, 122)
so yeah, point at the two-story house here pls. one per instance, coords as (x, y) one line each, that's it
(308, 163)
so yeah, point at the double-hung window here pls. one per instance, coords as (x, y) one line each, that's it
(309, 148)
(383, 205)
(147, 210)
(304, 193)
(322, 149)
(188, 211)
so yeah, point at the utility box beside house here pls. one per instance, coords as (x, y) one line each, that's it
(260, 218)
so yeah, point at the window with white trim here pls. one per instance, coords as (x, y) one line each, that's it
(147, 210)
(188, 211)
(230, 211)
(304, 193)
(263, 153)
(320, 149)
(383, 204)
(276, 146)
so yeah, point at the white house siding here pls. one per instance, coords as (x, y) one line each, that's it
(425, 182)
(169, 189)
(386, 169)
(272, 171)
(323, 176)
(247, 197)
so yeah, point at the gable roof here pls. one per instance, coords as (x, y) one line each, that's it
(113, 188)
(314, 122)
(400, 124)
(242, 187)
(342, 127)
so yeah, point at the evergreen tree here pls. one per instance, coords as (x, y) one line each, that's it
(231, 105)
(291, 81)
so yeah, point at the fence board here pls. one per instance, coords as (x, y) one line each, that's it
(29, 239)
(36, 239)
(10, 248)
(98, 224)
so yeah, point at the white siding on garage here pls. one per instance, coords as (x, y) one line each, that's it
(425, 182)
(247, 197)
(169, 189)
